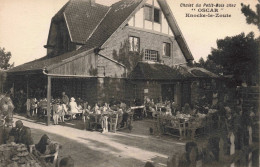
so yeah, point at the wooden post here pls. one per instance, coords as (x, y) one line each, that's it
(48, 100)
(27, 87)
(232, 146)
(250, 139)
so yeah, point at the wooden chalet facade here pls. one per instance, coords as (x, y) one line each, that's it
(128, 50)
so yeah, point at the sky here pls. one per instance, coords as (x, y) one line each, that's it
(25, 25)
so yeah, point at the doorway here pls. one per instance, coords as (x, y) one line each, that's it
(167, 92)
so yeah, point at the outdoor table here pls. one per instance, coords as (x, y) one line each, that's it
(138, 111)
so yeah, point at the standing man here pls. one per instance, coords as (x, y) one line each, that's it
(64, 102)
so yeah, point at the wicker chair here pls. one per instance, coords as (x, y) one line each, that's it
(52, 155)
(113, 122)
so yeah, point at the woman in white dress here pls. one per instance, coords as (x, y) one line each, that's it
(73, 107)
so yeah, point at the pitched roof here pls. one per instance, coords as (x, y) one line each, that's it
(82, 18)
(156, 71)
(43, 62)
(175, 29)
(116, 16)
(201, 72)
(88, 24)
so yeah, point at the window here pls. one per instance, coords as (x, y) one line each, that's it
(157, 15)
(166, 49)
(151, 15)
(151, 55)
(134, 44)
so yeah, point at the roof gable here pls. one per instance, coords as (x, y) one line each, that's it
(116, 16)
(81, 18)
(175, 29)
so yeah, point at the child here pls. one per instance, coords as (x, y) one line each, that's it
(56, 112)
(86, 117)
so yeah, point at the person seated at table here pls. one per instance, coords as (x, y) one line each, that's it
(97, 110)
(43, 107)
(21, 134)
(186, 109)
(153, 111)
(106, 107)
(123, 105)
(174, 108)
(120, 113)
(73, 107)
(42, 147)
(114, 107)
(85, 105)
(45, 147)
(80, 102)
(168, 111)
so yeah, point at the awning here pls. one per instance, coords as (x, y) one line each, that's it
(157, 71)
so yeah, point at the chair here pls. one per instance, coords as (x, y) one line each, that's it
(194, 125)
(176, 124)
(53, 155)
(113, 122)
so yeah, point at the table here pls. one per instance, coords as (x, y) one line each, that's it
(186, 125)
(138, 111)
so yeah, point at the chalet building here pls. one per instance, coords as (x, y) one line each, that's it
(129, 50)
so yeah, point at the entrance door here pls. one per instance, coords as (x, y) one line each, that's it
(167, 92)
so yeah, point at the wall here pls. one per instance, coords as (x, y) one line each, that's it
(59, 39)
(148, 40)
(84, 65)
(84, 88)
(111, 89)
(139, 21)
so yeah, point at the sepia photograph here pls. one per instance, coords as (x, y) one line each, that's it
(129, 83)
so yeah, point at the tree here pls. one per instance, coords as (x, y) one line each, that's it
(209, 65)
(252, 17)
(4, 59)
(239, 57)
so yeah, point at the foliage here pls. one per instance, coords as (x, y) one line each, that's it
(126, 57)
(252, 17)
(239, 56)
(93, 71)
(4, 59)
(209, 65)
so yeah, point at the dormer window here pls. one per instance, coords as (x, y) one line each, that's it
(152, 14)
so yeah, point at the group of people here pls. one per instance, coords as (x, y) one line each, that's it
(92, 116)
(103, 114)
(21, 134)
(167, 107)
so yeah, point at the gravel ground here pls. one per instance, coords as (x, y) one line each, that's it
(95, 149)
